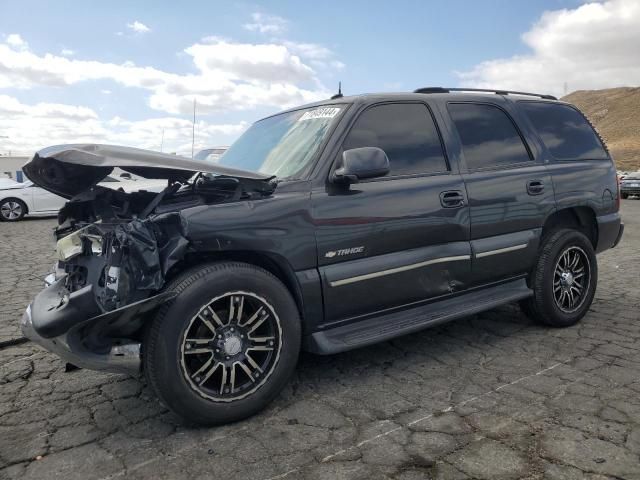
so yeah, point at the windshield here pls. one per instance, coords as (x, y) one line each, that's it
(281, 145)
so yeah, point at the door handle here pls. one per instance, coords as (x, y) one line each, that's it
(535, 187)
(452, 199)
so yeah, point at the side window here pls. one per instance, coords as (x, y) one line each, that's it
(489, 137)
(407, 134)
(564, 131)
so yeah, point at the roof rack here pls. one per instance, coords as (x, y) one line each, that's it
(488, 90)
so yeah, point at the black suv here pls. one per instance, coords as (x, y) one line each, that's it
(325, 228)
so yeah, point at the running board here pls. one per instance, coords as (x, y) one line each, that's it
(391, 325)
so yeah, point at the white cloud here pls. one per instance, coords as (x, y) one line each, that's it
(262, 62)
(230, 76)
(266, 24)
(31, 127)
(318, 55)
(67, 52)
(138, 27)
(596, 45)
(16, 41)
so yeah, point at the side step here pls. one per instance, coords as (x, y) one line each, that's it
(398, 323)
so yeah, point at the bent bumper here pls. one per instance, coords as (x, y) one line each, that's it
(121, 358)
(69, 326)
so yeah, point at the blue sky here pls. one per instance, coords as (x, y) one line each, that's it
(125, 71)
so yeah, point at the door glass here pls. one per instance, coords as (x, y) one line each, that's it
(488, 136)
(407, 134)
(564, 131)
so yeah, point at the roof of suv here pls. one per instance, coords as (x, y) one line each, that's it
(432, 92)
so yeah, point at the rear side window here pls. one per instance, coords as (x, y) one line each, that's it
(564, 131)
(407, 134)
(488, 136)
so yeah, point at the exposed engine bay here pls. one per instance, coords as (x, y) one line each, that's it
(123, 244)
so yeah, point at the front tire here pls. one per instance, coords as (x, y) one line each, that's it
(12, 209)
(564, 280)
(225, 346)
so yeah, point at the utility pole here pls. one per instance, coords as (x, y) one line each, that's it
(193, 127)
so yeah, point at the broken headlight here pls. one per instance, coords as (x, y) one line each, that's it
(74, 244)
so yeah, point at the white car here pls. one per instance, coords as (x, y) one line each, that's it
(20, 199)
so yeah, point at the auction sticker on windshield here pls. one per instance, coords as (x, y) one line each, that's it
(324, 112)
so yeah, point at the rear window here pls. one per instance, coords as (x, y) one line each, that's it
(488, 136)
(564, 131)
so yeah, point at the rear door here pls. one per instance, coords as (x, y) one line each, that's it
(510, 192)
(399, 239)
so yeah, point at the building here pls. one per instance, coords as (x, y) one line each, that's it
(11, 166)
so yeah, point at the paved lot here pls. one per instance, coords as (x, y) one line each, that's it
(491, 396)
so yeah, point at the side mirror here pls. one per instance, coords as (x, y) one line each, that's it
(361, 163)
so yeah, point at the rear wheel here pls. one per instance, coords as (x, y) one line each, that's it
(564, 279)
(12, 209)
(624, 196)
(225, 346)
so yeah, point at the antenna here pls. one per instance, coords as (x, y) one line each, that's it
(339, 94)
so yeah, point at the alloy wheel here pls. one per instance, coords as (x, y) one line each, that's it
(11, 210)
(571, 279)
(231, 346)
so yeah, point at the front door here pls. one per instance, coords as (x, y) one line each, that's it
(44, 201)
(396, 240)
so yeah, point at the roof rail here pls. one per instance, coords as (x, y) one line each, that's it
(488, 90)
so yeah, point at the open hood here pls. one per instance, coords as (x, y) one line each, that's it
(68, 170)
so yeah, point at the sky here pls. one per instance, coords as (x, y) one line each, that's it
(128, 72)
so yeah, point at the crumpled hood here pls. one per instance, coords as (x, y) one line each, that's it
(68, 170)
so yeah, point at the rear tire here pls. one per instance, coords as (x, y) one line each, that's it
(564, 280)
(225, 346)
(12, 210)
(624, 196)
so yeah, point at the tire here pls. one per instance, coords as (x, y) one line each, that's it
(12, 209)
(624, 196)
(176, 365)
(548, 305)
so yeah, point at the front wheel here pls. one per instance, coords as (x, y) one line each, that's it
(225, 346)
(12, 210)
(564, 280)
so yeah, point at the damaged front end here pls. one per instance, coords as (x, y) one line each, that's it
(114, 253)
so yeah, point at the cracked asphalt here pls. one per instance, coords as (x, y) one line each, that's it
(490, 396)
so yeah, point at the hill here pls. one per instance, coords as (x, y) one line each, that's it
(615, 112)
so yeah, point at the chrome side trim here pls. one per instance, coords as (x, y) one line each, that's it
(501, 250)
(390, 271)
